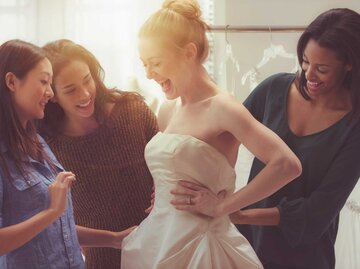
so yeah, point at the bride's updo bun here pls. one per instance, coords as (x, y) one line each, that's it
(188, 8)
(180, 22)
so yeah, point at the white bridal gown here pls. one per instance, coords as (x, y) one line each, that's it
(173, 239)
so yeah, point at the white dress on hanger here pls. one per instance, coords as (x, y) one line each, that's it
(169, 238)
(272, 52)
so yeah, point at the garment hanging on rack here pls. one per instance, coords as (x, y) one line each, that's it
(235, 67)
(270, 53)
(229, 57)
(276, 51)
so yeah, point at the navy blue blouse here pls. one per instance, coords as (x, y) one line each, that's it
(309, 206)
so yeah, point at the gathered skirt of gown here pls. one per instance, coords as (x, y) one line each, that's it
(169, 238)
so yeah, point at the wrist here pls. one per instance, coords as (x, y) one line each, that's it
(109, 238)
(52, 214)
(219, 209)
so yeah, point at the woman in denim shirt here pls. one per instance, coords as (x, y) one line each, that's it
(37, 228)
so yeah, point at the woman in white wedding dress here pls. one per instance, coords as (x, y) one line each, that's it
(201, 130)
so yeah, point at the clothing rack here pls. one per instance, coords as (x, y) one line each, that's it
(256, 29)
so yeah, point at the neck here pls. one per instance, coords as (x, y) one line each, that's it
(199, 87)
(336, 100)
(79, 127)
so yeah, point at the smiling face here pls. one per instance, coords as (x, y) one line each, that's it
(75, 91)
(31, 93)
(163, 65)
(324, 72)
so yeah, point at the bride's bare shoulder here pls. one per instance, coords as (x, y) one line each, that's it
(165, 112)
(224, 100)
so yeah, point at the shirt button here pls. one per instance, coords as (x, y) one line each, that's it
(66, 236)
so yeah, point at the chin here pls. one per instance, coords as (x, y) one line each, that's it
(40, 116)
(171, 96)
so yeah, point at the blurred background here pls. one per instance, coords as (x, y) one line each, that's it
(238, 61)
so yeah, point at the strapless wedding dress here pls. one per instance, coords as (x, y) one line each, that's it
(173, 239)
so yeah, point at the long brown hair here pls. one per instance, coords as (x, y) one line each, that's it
(61, 53)
(17, 57)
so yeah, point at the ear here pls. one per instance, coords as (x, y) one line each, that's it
(191, 50)
(11, 81)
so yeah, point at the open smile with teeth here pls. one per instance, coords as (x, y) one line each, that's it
(85, 105)
(43, 104)
(165, 85)
(313, 85)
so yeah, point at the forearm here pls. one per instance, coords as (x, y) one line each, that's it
(270, 179)
(15, 236)
(257, 216)
(94, 238)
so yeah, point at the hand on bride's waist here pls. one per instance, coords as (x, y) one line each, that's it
(197, 198)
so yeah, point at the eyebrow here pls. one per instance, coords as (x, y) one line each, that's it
(84, 78)
(304, 56)
(46, 73)
(151, 58)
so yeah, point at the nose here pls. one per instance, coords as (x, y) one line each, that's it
(310, 73)
(84, 93)
(149, 72)
(49, 92)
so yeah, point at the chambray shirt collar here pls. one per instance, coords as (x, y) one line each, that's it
(4, 148)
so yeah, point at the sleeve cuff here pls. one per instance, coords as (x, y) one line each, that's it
(292, 220)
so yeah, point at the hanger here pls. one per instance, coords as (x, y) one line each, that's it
(229, 56)
(272, 52)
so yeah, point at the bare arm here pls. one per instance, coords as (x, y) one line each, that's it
(281, 164)
(101, 238)
(15, 236)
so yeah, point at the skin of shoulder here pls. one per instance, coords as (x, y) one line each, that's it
(165, 112)
(231, 116)
(229, 113)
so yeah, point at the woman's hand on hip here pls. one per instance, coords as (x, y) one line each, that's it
(197, 198)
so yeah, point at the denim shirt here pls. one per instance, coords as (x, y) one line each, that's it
(21, 198)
